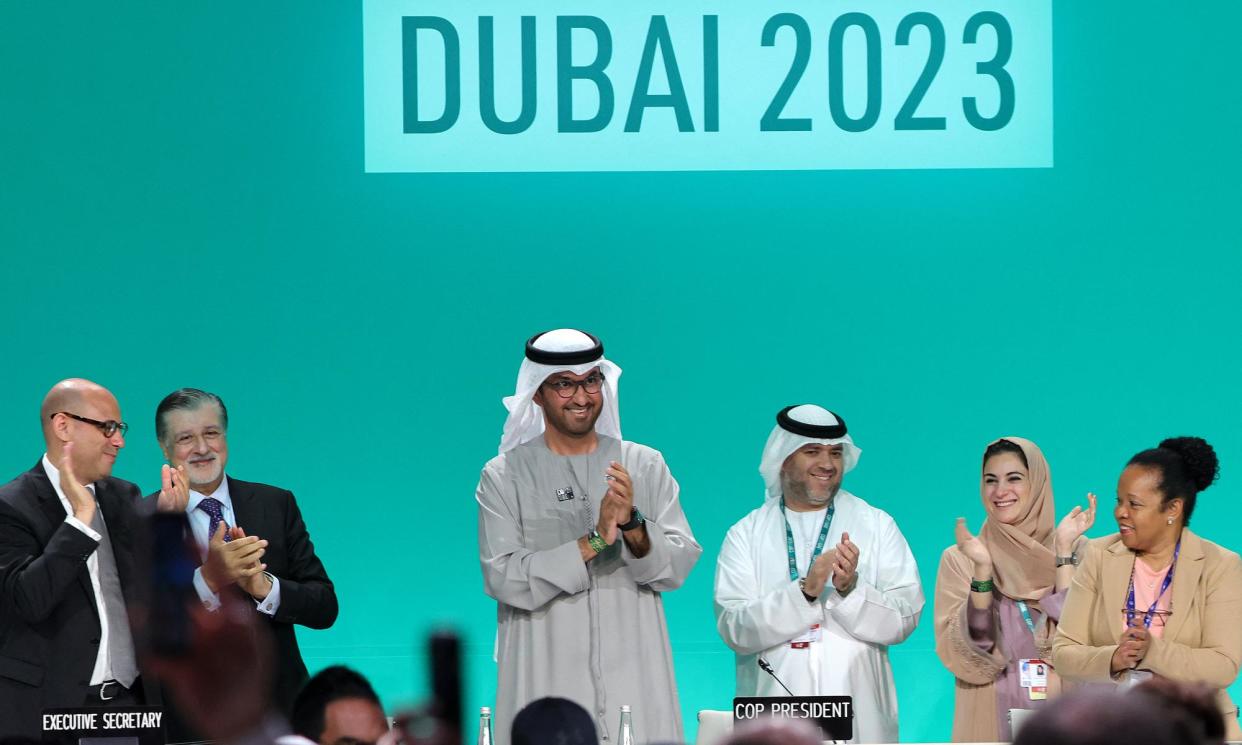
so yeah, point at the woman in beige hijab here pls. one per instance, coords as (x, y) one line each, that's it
(999, 594)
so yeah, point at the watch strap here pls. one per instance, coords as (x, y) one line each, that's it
(636, 520)
(802, 586)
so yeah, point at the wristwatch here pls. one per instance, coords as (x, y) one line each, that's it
(636, 520)
(1071, 560)
(802, 586)
(596, 541)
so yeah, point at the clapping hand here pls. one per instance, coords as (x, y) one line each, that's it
(817, 576)
(174, 489)
(228, 563)
(1073, 525)
(617, 504)
(254, 582)
(845, 565)
(974, 549)
(1131, 650)
(80, 498)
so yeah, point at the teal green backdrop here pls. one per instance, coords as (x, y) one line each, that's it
(182, 202)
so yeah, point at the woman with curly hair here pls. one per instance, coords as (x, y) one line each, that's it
(1154, 598)
(999, 594)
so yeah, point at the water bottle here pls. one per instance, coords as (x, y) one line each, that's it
(485, 726)
(625, 735)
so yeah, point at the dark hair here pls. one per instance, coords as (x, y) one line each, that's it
(1005, 446)
(1187, 466)
(1194, 702)
(553, 720)
(329, 684)
(1097, 717)
(774, 731)
(184, 399)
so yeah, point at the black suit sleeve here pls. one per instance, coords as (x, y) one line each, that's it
(306, 594)
(33, 580)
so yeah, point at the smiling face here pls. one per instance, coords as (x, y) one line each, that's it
(1141, 517)
(93, 453)
(1005, 487)
(811, 476)
(197, 438)
(572, 417)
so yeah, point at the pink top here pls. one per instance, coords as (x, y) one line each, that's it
(1147, 583)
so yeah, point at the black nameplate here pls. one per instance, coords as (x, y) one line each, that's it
(833, 714)
(120, 725)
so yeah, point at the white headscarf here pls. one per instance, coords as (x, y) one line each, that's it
(782, 443)
(525, 421)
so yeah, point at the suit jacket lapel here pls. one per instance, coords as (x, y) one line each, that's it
(247, 511)
(1118, 565)
(50, 505)
(1185, 582)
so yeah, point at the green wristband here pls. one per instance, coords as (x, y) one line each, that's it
(596, 542)
(985, 586)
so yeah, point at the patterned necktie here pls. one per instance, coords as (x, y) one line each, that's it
(214, 509)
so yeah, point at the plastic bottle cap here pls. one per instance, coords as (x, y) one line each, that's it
(625, 709)
(485, 710)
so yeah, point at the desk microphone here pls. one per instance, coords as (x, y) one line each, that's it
(767, 668)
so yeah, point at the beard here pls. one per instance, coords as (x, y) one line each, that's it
(562, 422)
(799, 491)
(203, 476)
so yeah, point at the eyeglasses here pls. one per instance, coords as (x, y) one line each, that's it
(108, 428)
(1158, 617)
(566, 388)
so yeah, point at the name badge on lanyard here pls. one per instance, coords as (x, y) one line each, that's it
(815, 633)
(1032, 672)
(1033, 675)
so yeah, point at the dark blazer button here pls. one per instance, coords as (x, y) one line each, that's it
(94, 641)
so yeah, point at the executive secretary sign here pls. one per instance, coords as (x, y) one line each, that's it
(472, 85)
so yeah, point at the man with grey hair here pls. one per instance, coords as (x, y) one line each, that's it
(67, 541)
(251, 538)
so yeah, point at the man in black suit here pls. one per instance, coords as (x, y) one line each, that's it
(251, 536)
(67, 536)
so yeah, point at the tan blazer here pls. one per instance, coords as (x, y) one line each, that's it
(1202, 641)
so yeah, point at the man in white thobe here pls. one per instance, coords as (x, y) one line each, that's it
(579, 534)
(824, 613)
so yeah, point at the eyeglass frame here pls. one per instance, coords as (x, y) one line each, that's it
(576, 384)
(1160, 615)
(104, 427)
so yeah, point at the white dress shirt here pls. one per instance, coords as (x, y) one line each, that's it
(103, 661)
(200, 524)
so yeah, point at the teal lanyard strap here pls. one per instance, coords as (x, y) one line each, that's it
(819, 545)
(1026, 615)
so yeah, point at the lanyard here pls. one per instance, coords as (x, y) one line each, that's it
(819, 546)
(1026, 615)
(1164, 586)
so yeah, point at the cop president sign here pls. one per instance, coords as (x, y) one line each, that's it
(503, 85)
